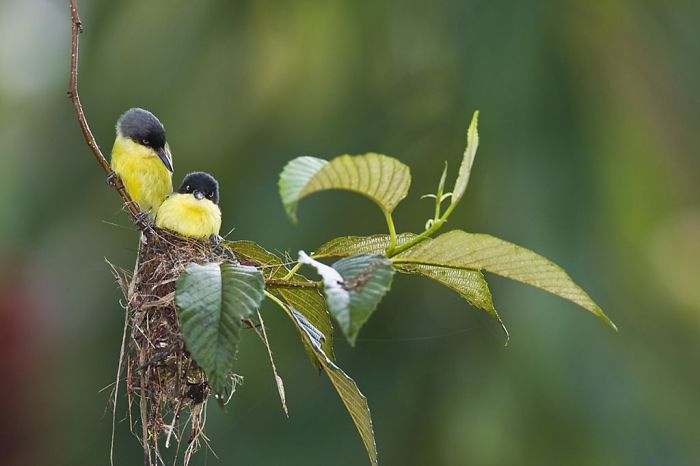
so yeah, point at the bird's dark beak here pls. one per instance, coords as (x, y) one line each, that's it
(165, 157)
(199, 195)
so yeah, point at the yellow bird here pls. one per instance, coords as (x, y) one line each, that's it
(193, 210)
(141, 158)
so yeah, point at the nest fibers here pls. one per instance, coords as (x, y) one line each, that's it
(170, 388)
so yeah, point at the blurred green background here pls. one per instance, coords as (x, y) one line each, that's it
(590, 155)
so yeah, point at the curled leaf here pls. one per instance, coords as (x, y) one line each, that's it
(467, 161)
(382, 179)
(353, 287)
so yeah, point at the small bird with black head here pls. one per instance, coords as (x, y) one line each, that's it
(193, 210)
(142, 160)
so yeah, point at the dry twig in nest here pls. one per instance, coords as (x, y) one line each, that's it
(161, 374)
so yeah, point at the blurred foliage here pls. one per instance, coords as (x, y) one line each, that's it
(589, 155)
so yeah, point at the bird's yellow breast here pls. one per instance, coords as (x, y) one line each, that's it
(188, 216)
(145, 177)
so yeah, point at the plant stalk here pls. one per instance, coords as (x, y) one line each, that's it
(294, 270)
(392, 233)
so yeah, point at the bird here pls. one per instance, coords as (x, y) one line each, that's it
(193, 210)
(141, 158)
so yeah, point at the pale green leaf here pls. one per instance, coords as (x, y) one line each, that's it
(350, 245)
(211, 300)
(441, 184)
(354, 401)
(294, 177)
(382, 179)
(312, 305)
(483, 252)
(470, 284)
(249, 252)
(465, 168)
(308, 301)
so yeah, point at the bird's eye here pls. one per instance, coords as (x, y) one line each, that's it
(188, 188)
(210, 195)
(145, 142)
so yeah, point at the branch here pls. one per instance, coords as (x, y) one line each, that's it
(77, 28)
(283, 283)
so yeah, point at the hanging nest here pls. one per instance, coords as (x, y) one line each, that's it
(163, 380)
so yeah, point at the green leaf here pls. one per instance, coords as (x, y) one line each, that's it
(354, 401)
(383, 179)
(211, 300)
(470, 284)
(473, 251)
(367, 278)
(441, 185)
(308, 301)
(311, 304)
(467, 161)
(353, 287)
(294, 177)
(349, 245)
(269, 264)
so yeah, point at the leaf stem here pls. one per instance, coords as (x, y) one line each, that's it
(435, 225)
(449, 210)
(399, 249)
(392, 233)
(278, 301)
(439, 194)
(438, 201)
(407, 260)
(294, 270)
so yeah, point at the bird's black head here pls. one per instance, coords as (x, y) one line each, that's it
(142, 127)
(201, 185)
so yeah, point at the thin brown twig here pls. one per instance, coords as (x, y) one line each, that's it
(278, 379)
(76, 29)
(116, 385)
(143, 404)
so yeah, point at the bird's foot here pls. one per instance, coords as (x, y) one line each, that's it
(110, 178)
(142, 221)
(216, 241)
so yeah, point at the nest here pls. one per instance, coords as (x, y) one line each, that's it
(163, 380)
